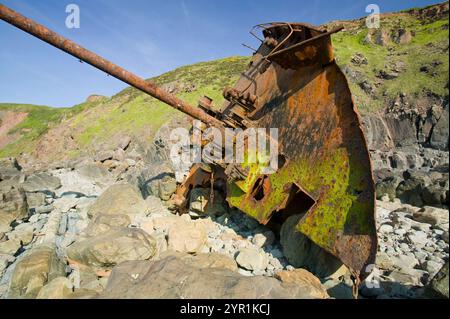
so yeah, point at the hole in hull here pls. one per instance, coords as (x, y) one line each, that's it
(298, 202)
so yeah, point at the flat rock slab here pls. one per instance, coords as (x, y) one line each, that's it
(173, 277)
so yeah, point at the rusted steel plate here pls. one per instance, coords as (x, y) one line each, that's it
(327, 173)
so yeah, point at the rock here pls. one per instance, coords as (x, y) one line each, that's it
(13, 206)
(43, 209)
(432, 267)
(95, 98)
(434, 195)
(445, 237)
(200, 204)
(439, 136)
(119, 199)
(172, 277)
(265, 239)
(402, 36)
(158, 222)
(83, 294)
(34, 270)
(252, 259)
(359, 59)
(404, 261)
(104, 155)
(24, 235)
(35, 199)
(65, 203)
(432, 215)
(155, 205)
(104, 223)
(301, 252)
(58, 288)
(10, 247)
(9, 168)
(405, 279)
(166, 187)
(384, 261)
(113, 247)
(124, 142)
(303, 278)
(209, 260)
(41, 182)
(418, 238)
(5, 260)
(386, 229)
(337, 289)
(387, 186)
(186, 236)
(410, 191)
(438, 287)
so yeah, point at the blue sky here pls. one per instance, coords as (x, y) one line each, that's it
(148, 37)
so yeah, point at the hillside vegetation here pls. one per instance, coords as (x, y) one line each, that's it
(406, 58)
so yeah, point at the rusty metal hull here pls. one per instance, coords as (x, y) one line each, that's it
(328, 172)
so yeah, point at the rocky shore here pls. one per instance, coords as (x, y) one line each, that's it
(105, 228)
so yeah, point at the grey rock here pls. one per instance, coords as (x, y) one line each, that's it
(35, 199)
(173, 277)
(34, 270)
(432, 215)
(252, 259)
(438, 287)
(41, 182)
(301, 252)
(119, 199)
(113, 247)
(13, 206)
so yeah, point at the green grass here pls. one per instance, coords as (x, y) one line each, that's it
(38, 121)
(429, 45)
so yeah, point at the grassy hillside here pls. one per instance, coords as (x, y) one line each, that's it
(407, 56)
(129, 112)
(417, 68)
(38, 121)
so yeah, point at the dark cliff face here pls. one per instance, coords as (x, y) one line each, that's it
(388, 131)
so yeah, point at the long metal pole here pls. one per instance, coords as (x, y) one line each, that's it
(56, 40)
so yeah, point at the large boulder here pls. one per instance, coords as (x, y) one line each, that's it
(439, 135)
(432, 215)
(41, 182)
(162, 187)
(410, 190)
(438, 287)
(305, 279)
(174, 277)
(186, 236)
(9, 168)
(301, 252)
(113, 247)
(252, 259)
(121, 199)
(58, 288)
(103, 223)
(13, 205)
(387, 186)
(34, 270)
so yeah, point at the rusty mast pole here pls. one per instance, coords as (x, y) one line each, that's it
(56, 40)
